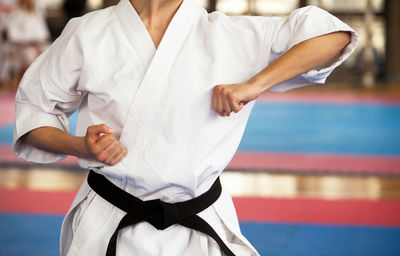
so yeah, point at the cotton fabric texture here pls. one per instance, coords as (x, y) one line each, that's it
(159, 103)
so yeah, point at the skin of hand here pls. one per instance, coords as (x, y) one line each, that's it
(297, 60)
(232, 97)
(98, 143)
(104, 148)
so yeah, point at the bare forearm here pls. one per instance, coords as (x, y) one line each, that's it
(54, 140)
(301, 58)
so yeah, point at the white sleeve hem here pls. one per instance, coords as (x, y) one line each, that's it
(320, 76)
(310, 22)
(31, 118)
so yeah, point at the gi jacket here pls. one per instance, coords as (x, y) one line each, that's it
(159, 103)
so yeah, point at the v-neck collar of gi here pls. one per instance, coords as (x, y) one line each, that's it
(139, 35)
(157, 63)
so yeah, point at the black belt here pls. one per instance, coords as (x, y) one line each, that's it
(159, 214)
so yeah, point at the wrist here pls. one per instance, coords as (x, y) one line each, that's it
(80, 148)
(257, 84)
(86, 153)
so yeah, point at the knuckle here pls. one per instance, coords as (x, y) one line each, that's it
(116, 150)
(110, 150)
(115, 145)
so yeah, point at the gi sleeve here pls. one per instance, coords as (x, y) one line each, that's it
(48, 94)
(302, 24)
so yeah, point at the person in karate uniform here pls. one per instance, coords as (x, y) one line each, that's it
(27, 37)
(164, 90)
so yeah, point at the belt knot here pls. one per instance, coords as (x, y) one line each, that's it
(163, 214)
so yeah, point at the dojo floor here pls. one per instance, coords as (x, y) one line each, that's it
(316, 174)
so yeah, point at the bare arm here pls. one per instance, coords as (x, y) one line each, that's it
(299, 59)
(93, 145)
(54, 140)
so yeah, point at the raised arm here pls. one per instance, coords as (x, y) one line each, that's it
(299, 59)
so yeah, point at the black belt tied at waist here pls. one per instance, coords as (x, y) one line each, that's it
(159, 214)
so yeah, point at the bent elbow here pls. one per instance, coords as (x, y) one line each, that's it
(344, 38)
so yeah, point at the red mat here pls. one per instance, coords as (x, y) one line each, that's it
(7, 110)
(334, 212)
(324, 163)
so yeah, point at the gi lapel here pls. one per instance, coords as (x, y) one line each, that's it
(151, 89)
(136, 32)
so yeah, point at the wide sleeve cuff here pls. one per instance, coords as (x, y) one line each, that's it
(28, 118)
(307, 23)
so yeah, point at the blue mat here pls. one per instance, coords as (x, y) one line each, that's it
(6, 134)
(314, 128)
(39, 235)
(29, 235)
(311, 240)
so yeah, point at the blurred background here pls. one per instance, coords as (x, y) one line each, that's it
(317, 171)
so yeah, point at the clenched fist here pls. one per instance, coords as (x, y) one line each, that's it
(232, 97)
(102, 146)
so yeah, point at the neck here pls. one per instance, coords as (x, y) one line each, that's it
(156, 13)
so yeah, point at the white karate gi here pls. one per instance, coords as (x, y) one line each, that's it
(159, 103)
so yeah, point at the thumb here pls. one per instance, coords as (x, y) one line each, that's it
(100, 128)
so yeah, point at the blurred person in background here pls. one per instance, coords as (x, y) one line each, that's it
(5, 8)
(26, 36)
